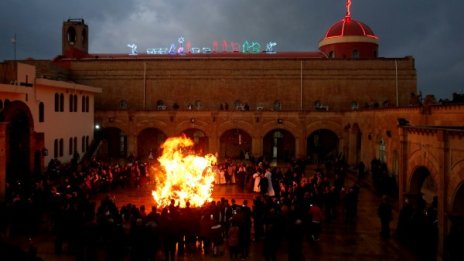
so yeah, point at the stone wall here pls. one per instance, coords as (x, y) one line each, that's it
(207, 82)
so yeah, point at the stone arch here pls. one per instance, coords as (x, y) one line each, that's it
(279, 144)
(11, 108)
(117, 124)
(455, 228)
(193, 123)
(149, 141)
(239, 124)
(455, 182)
(322, 144)
(114, 142)
(330, 125)
(199, 138)
(422, 183)
(417, 160)
(287, 125)
(457, 202)
(153, 124)
(20, 140)
(235, 144)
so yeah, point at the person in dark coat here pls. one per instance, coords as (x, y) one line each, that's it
(384, 212)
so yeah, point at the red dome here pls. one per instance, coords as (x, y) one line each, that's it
(349, 27)
(349, 38)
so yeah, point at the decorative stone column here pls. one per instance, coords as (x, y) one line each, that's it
(257, 146)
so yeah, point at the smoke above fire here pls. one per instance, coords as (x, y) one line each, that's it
(183, 176)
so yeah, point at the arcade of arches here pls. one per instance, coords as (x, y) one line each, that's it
(277, 145)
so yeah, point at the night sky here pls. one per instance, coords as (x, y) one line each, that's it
(428, 30)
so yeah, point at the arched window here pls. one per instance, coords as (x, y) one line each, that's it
(61, 147)
(75, 103)
(71, 103)
(123, 104)
(198, 105)
(277, 105)
(83, 104)
(382, 151)
(41, 112)
(86, 143)
(55, 148)
(84, 35)
(83, 144)
(57, 102)
(75, 144)
(71, 35)
(70, 146)
(355, 54)
(87, 104)
(61, 102)
(331, 54)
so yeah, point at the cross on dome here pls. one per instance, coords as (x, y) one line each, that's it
(348, 8)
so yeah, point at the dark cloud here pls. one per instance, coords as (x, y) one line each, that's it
(426, 30)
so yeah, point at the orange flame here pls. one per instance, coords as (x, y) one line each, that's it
(183, 176)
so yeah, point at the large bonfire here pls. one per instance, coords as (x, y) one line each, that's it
(182, 175)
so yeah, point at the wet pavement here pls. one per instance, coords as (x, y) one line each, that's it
(338, 241)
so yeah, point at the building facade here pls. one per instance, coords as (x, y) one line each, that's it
(41, 119)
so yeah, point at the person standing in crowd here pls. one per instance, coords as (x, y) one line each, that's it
(316, 219)
(233, 240)
(245, 229)
(257, 180)
(270, 188)
(263, 184)
(384, 212)
(271, 235)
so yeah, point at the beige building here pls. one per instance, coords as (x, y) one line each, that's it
(41, 119)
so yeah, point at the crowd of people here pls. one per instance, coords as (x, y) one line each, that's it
(60, 198)
(289, 207)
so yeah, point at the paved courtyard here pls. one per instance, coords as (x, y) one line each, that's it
(339, 241)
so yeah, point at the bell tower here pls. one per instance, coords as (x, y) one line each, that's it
(75, 39)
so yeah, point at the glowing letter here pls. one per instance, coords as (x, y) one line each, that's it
(254, 47)
(206, 50)
(235, 47)
(181, 40)
(270, 47)
(224, 46)
(215, 46)
(172, 49)
(133, 49)
(188, 47)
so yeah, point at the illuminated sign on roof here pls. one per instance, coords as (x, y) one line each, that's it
(235, 47)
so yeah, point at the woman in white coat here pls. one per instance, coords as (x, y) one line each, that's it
(270, 188)
(257, 178)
